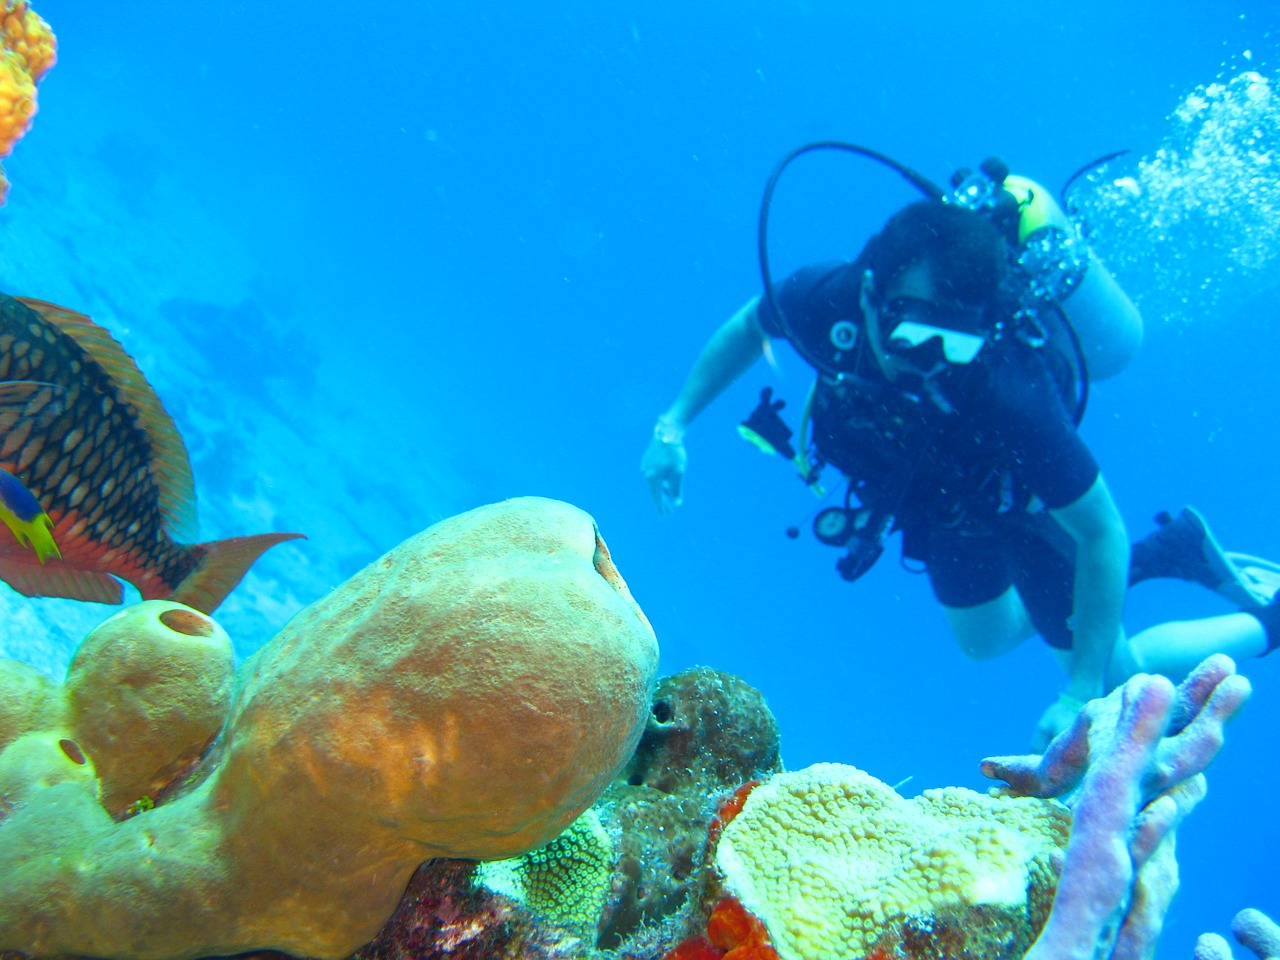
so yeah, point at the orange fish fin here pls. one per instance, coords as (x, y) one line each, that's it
(58, 579)
(172, 466)
(224, 564)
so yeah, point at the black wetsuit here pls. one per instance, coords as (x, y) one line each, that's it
(964, 471)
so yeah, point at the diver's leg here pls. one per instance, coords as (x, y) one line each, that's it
(1042, 558)
(970, 577)
(1174, 649)
(991, 628)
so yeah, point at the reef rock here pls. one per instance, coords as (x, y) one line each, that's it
(468, 695)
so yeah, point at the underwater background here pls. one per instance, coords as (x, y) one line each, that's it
(384, 264)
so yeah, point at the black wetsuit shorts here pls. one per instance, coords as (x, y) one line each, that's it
(1032, 554)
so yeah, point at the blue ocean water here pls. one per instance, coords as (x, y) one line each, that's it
(386, 264)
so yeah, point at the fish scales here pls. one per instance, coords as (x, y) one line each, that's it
(110, 452)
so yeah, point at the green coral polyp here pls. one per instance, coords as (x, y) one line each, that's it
(566, 882)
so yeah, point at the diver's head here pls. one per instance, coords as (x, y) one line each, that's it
(931, 288)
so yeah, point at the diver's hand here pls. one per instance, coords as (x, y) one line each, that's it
(663, 465)
(1057, 717)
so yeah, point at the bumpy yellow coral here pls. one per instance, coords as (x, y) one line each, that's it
(566, 881)
(829, 856)
(27, 50)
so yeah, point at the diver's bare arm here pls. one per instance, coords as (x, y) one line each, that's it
(729, 353)
(1102, 559)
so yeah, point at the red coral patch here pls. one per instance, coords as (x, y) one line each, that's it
(731, 808)
(695, 948)
(733, 933)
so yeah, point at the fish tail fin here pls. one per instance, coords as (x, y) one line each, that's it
(223, 564)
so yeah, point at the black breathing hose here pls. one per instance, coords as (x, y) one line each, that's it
(917, 180)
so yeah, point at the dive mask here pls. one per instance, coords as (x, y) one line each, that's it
(910, 324)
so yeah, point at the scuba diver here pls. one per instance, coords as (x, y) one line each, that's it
(953, 357)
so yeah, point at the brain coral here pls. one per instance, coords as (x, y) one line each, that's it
(468, 695)
(833, 860)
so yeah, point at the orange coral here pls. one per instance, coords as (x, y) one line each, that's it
(733, 933)
(27, 50)
(695, 948)
(731, 808)
(738, 932)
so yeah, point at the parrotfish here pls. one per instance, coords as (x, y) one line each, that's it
(95, 482)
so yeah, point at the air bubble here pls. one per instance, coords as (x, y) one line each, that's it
(1202, 208)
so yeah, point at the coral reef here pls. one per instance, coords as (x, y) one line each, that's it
(445, 916)
(27, 51)
(706, 731)
(468, 695)
(700, 848)
(566, 882)
(1129, 769)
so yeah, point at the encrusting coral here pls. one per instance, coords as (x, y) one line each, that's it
(567, 882)
(27, 50)
(468, 695)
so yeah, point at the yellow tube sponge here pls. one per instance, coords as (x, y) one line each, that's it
(146, 692)
(37, 761)
(28, 701)
(832, 859)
